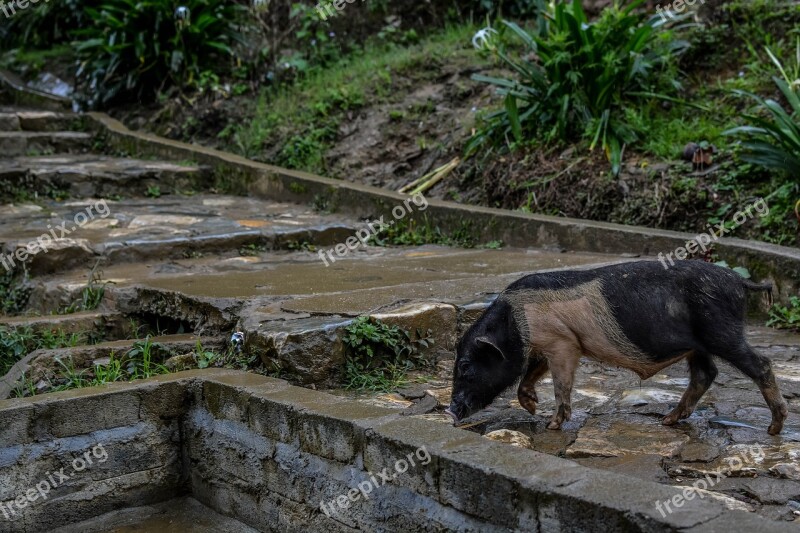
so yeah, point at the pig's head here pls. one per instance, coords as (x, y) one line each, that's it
(489, 359)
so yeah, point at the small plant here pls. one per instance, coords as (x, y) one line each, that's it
(380, 355)
(153, 191)
(108, 373)
(140, 360)
(91, 295)
(786, 317)
(206, 358)
(72, 379)
(252, 250)
(25, 387)
(16, 343)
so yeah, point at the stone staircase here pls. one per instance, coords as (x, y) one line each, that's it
(176, 258)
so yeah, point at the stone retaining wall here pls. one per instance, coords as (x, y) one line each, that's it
(779, 264)
(268, 454)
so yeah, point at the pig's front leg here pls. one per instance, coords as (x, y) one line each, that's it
(527, 388)
(563, 358)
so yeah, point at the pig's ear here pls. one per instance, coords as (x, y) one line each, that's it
(484, 340)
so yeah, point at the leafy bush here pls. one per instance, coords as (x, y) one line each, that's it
(574, 77)
(134, 49)
(43, 25)
(379, 355)
(786, 317)
(774, 142)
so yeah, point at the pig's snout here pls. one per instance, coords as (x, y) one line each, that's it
(450, 412)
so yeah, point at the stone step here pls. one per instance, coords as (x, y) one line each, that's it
(163, 229)
(17, 120)
(42, 367)
(105, 324)
(20, 143)
(91, 176)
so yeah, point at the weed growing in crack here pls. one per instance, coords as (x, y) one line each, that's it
(380, 355)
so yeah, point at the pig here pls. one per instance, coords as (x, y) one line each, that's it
(637, 315)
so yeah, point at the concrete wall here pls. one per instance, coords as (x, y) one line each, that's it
(136, 427)
(778, 264)
(268, 454)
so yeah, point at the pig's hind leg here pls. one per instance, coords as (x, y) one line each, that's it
(759, 369)
(702, 371)
(527, 391)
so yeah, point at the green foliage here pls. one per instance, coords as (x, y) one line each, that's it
(206, 358)
(774, 142)
(786, 317)
(154, 191)
(379, 355)
(43, 24)
(409, 232)
(109, 372)
(16, 343)
(140, 359)
(14, 293)
(584, 75)
(130, 48)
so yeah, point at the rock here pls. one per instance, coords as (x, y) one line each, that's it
(442, 395)
(699, 452)
(612, 436)
(645, 396)
(771, 491)
(60, 254)
(731, 503)
(509, 436)
(436, 319)
(181, 362)
(423, 406)
(786, 471)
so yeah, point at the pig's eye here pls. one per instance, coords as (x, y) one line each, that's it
(464, 367)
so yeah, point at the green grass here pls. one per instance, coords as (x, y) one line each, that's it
(303, 119)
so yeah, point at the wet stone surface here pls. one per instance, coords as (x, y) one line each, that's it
(723, 447)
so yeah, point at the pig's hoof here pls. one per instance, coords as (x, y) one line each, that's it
(675, 416)
(777, 421)
(528, 401)
(554, 425)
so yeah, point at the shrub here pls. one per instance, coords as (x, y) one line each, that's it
(135, 48)
(574, 77)
(774, 141)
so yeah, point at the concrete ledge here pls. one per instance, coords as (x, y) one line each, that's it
(268, 454)
(765, 261)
